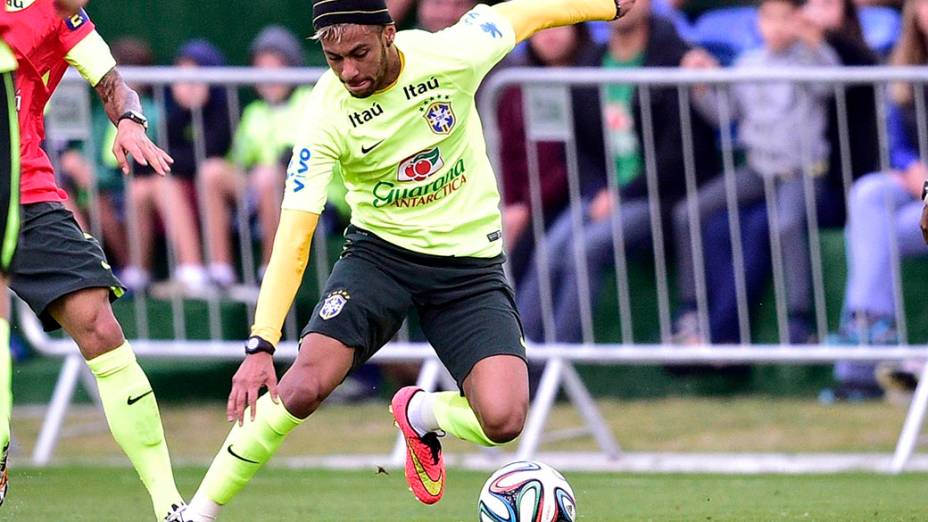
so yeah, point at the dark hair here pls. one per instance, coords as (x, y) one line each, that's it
(850, 24)
(132, 51)
(584, 39)
(794, 3)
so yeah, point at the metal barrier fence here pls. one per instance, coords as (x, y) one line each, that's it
(558, 357)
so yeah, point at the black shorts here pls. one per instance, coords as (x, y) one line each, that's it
(56, 258)
(9, 173)
(466, 306)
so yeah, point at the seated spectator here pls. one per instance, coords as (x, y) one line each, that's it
(557, 47)
(782, 129)
(262, 146)
(840, 21)
(173, 195)
(638, 39)
(431, 15)
(884, 208)
(82, 168)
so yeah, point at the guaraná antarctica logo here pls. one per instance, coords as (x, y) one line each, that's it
(387, 193)
(419, 167)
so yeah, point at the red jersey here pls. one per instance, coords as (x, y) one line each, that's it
(45, 45)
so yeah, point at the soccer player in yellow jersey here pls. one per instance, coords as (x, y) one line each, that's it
(396, 113)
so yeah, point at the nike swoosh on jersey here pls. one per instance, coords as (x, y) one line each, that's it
(365, 150)
(133, 400)
(432, 486)
(239, 457)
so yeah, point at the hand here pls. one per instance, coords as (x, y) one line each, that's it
(602, 205)
(132, 140)
(698, 58)
(256, 372)
(66, 8)
(75, 165)
(913, 178)
(807, 29)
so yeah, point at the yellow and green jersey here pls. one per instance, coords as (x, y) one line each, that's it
(412, 156)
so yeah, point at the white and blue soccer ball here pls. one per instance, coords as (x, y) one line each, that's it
(527, 492)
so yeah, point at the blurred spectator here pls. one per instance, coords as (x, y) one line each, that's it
(638, 39)
(782, 128)
(174, 194)
(840, 21)
(262, 145)
(432, 15)
(558, 47)
(83, 168)
(885, 208)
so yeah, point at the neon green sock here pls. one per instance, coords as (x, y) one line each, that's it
(6, 389)
(132, 413)
(246, 449)
(455, 416)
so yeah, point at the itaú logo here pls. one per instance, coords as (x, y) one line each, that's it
(17, 5)
(420, 166)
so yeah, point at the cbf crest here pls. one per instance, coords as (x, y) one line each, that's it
(333, 304)
(438, 113)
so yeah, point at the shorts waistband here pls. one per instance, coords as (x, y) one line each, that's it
(360, 238)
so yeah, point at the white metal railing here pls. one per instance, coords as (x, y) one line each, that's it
(559, 358)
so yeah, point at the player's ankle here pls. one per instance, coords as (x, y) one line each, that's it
(421, 413)
(203, 509)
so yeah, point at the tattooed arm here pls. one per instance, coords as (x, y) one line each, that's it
(131, 139)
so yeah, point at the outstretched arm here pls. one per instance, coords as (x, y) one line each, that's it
(284, 272)
(281, 282)
(118, 99)
(530, 16)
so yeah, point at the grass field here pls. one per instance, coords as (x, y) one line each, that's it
(90, 480)
(106, 494)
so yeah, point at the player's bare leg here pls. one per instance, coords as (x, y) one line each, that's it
(319, 368)
(267, 182)
(128, 400)
(491, 412)
(223, 186)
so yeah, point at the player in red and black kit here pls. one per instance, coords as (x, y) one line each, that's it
(9, 232)
(58, 269)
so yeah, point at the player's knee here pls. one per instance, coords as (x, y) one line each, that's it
(504, 425)
(101, 333)
(302, 396)
(213, 171)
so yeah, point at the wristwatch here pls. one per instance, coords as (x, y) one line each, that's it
(135, 116)
(255, 344)
(925, 192)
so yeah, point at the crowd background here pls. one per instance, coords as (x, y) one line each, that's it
(786, 134)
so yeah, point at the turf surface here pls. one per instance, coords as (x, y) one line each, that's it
(114, 494)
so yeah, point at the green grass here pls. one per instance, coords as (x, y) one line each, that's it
(107, 494)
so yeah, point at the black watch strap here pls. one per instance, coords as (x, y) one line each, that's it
(255, 344)
(134, 116)
(925, 192)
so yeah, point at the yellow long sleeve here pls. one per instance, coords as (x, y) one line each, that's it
(284, 272)
(530, 16)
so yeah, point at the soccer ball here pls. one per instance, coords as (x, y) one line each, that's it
(527, 492)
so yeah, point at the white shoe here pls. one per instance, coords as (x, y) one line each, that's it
(135, 278)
